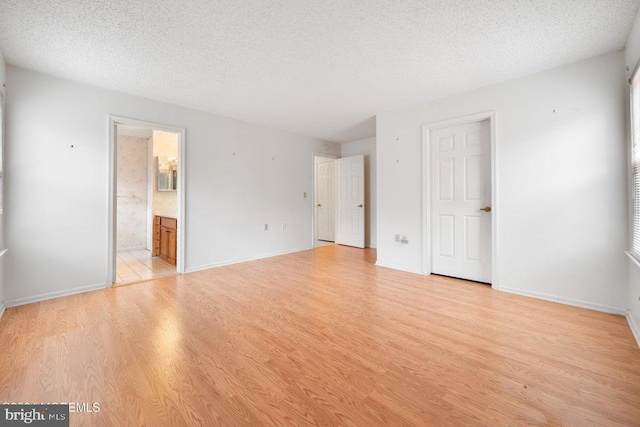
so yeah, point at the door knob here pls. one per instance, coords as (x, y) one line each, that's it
(486, 209)
(318, 205)
(359, 206)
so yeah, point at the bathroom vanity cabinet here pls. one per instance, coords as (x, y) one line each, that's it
(165, 231)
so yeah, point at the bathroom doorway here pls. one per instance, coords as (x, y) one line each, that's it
(146, 202)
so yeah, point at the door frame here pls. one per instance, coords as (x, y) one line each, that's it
(313, 192)
(426, 187)
(150, 186)
(115, 120)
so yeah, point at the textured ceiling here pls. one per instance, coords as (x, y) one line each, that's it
(322, 68)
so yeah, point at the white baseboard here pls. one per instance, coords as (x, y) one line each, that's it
(2, 308)
(397, 267)
(568, 301)
(52, 295)
(634, 327)
(238, 261)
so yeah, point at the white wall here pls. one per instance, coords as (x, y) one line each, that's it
(132, 192)
(631, 58)
(238, 177)
(562, 184)
(632, 49)
(367, 147)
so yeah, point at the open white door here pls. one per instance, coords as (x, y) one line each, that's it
(325, 201)
(350, 209)
(461, 201)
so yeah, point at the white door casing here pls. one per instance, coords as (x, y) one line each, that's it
(325, 201)
(150, 185)
(460, 188)
(350, 201)
(112, 188)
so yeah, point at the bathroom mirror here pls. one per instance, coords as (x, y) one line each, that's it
(167, 173)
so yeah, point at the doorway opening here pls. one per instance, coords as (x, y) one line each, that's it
(459, 198)
(324, 206)
(338, 201)
(146, 201)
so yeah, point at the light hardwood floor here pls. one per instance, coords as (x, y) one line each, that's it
(321, 337)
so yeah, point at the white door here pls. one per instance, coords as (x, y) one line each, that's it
(325, 201)
(350, 221)
(461, 201)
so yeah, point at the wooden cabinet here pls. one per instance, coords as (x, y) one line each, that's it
(156, 236)
(172, 246)
(165, 241)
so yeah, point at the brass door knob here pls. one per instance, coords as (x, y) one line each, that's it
(318, 205)
(359, 206)
(486, 209)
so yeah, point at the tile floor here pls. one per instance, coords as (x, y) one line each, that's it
(134, 266)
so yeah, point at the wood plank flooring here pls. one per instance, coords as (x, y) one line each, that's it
(322, 337)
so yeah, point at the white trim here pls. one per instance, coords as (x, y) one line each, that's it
(151, 185)
(426, 188)
(2, 309)
(2, 252)
(569, 301)
(630, 184)
(238, 261)
(630, 179)
(313, 192)
(632, 323)
(634, 327)
(56, 294)
(397, 267)
(111, 203)
(633, 258)
(111, 217)
(636, 69)
(426, 198)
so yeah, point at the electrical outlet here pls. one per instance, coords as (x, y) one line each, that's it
(284, 226)
(397, 237)
(266, 227)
